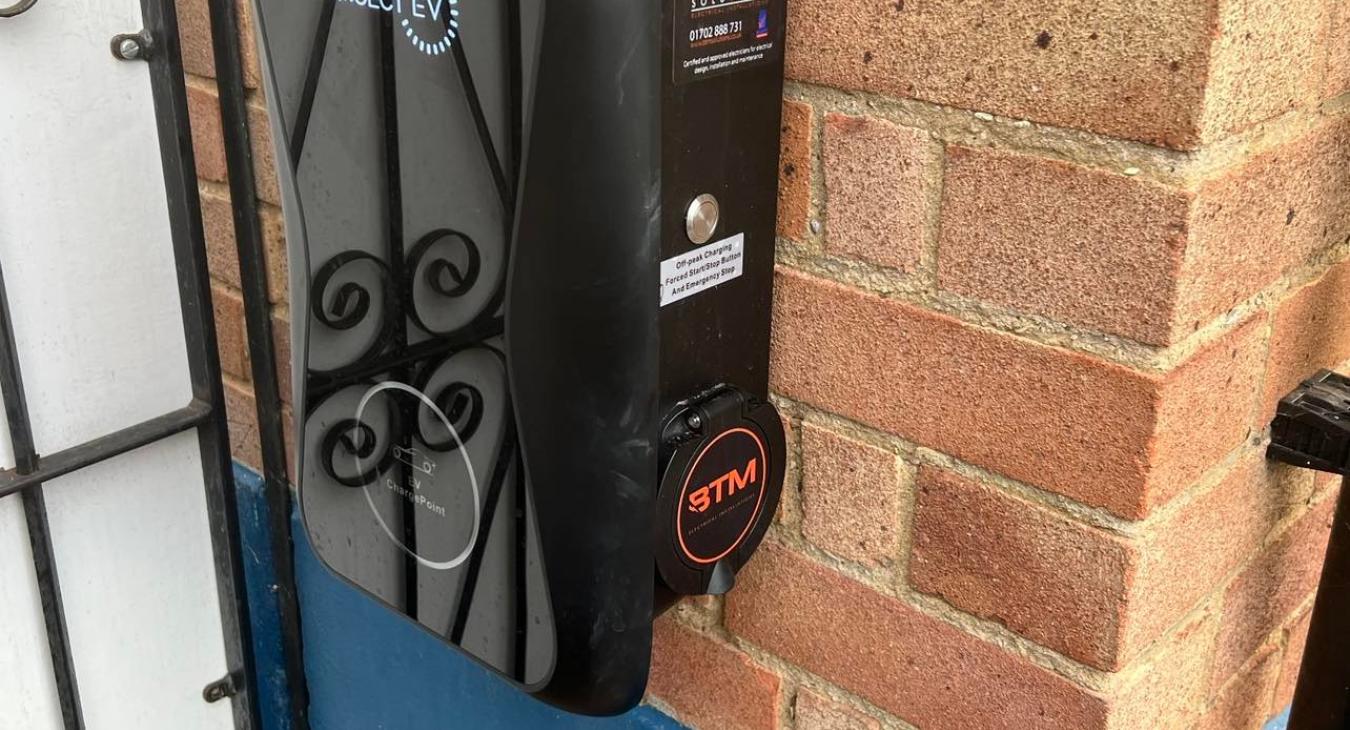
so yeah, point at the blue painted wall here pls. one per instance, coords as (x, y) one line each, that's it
(368, 669)
(273, 700)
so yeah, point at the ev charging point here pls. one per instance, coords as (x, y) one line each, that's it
(532, 250)
(720, 489)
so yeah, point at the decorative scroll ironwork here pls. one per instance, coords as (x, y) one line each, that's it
(444, 276)
(358, 442)
(463, 405)
(386, 306)
(351, 441)
(17, 9)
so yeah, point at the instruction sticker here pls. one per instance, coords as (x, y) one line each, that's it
(714, 37)
(703, 268)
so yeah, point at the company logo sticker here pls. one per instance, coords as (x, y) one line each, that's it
(722, 496)
(723, 487)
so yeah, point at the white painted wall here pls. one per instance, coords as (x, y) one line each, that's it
(88, 260)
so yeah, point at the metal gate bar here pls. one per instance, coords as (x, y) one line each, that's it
(258, 320)
(103, 448)
(205, 412)
(185, 216)
(35, 514)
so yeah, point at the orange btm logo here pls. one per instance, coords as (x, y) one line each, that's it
(723, 487)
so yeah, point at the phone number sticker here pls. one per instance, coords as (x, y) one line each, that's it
(714, 37)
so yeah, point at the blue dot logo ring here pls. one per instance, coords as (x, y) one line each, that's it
(436, 45)
(430, 25)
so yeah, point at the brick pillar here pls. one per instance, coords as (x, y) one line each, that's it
(217, 218)
(1045, 268)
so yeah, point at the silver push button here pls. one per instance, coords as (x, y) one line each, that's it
(700, 222)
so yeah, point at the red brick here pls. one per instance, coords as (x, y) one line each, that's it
(1063, 421)
(1244, 704)
(1087, 594)
(1323, 481)
(1134, 258)
(1043, 575)
(264, 155)
(1267, 60)
(1135, 70)
(194, 36)
(852, 497)
(241, 412)
(928, 672)
(1168, 692)
(790, 505)
(207, 143)
(222, 251)
(1190, 552)
(877, 180)
(1077, 245)
(1308, 334)
(794, 169)
(281, 340)
(1205, 407)
(1338, 58)
(814, 711)
(274, 242)
(1296, 637)
(1267, 592)
(194, 26)
(710, 684)
(248, 46)
(231, 334)
(1258, 221)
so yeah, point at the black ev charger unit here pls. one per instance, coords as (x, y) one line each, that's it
(1311, 430)
(531, 249)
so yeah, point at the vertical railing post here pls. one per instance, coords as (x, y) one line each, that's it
(257, 315)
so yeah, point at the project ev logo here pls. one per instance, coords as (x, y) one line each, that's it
(430, 25)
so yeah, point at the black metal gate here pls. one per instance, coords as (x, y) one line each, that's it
(159, 47)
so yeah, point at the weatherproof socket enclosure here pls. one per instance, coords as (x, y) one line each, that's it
(531, 261)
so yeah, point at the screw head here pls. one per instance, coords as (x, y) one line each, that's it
(129, 48)
(694, 421)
